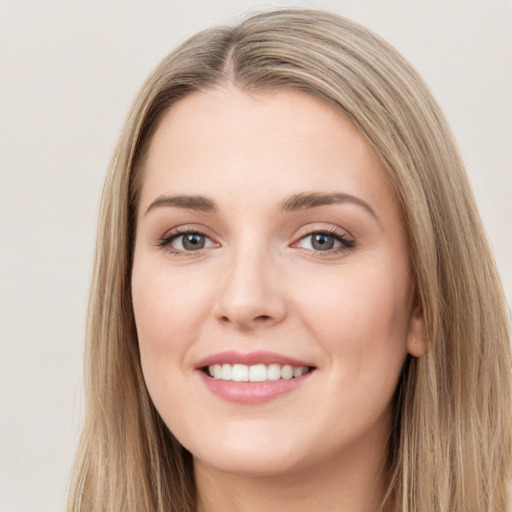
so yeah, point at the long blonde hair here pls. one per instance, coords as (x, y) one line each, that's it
(450, 447)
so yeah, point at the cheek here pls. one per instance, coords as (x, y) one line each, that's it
(360, 316)
(168, 312)
(165, 305)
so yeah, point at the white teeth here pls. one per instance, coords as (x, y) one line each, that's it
(287, 372)
(217, 371)
(273, 371)
(255, 373)
(240, 373)
(298, 371)
(227, 372)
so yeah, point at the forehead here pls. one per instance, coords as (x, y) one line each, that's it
(260, 147)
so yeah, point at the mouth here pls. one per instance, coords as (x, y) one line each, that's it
(255, 373)
(253, 378)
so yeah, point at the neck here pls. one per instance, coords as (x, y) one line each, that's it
(351, 482)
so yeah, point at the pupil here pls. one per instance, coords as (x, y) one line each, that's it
(322, 242)
(193, 241)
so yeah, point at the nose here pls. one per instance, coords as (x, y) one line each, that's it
(250, 294)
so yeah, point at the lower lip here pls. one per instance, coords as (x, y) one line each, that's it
(252, 393)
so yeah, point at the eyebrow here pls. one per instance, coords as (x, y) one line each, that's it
(313, 199)
(296, 202)
(197, 203)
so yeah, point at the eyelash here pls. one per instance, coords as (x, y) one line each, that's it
(166, 241)
(346, 243)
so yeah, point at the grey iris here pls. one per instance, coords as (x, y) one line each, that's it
(193, 241)
(322, 242)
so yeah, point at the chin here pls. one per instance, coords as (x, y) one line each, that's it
(250, 457)
(249, 464)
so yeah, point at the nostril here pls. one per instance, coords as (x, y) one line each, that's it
(260, 318)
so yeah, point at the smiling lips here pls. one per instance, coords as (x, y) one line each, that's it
(252, 378)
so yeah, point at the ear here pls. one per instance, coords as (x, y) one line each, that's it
(416, 339)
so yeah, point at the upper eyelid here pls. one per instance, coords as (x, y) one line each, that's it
(329, 229)
(188, 228)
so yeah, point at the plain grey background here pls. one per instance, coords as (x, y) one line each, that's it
(68, 73)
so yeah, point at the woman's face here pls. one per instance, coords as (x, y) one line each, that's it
(270, 244)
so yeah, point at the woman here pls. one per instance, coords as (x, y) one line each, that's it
(294, 305)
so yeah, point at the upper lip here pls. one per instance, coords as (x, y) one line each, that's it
(250, 358)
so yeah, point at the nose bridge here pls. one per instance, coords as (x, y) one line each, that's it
(249, 294)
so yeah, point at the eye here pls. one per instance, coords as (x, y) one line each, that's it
(186, 241)
(323, 241)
